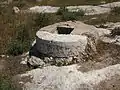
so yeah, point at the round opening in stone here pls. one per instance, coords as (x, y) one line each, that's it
(66, 29)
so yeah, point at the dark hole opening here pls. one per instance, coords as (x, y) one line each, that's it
(64, 30)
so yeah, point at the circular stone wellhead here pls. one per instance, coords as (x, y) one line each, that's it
(60, 45)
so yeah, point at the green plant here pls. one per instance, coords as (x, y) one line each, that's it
(20, 28)
(69, 15)
(41, 19)
(62, 10)
(15, 48)
(80, 12)
(22, 33)
(5, 85)
(21, 42)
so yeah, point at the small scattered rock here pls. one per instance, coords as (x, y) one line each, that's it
(16, 9)
(35, 62)
(2, 56)
(24, 60)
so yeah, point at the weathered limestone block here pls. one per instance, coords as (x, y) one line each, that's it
(60, 45)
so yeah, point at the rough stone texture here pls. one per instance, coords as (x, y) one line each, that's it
(111, 40)
(79, 28)
(109, 25)
(66, 49)
(60, 61)
(89, 9)
(66, 78)
(56, 45)
(36, 62)
(43, 9)
(103, 32)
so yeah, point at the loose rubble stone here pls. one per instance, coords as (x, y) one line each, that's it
(36, 62)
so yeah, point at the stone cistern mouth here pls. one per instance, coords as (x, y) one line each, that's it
(66, 29)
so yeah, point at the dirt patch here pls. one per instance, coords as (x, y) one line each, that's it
(10, 67)
(112, 84)
(13, 66)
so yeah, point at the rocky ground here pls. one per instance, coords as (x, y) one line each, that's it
(102, 72)
(98, 69)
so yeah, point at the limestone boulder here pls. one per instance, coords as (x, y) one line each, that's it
(35, 62)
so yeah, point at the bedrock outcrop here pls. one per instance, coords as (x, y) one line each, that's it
(66, 43)
(66, 78)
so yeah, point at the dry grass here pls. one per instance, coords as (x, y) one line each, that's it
(20, 27)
